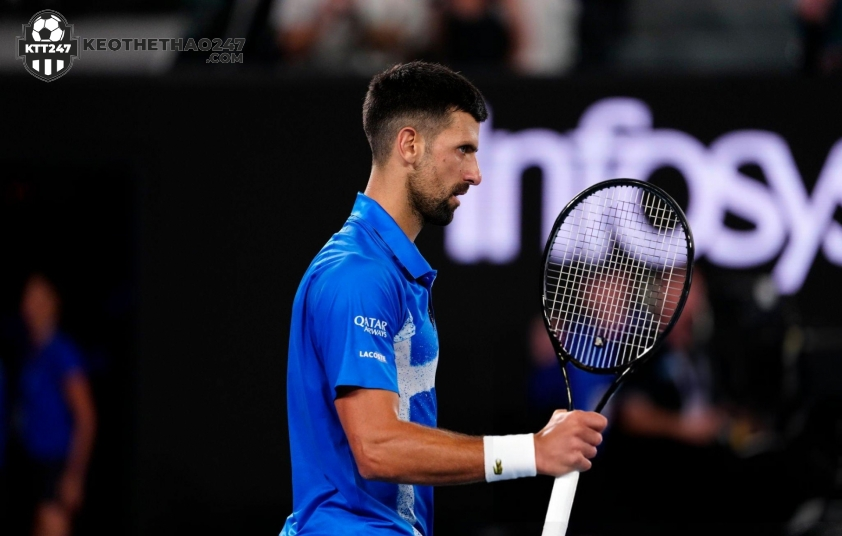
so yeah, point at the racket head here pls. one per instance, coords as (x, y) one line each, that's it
(615, 274)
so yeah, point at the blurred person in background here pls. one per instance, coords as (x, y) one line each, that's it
(674, 397)
(546, 391)
(55, 421)
(549, 36)
(820, 29)
(525, 37)
(349, 37)
(669, 429)
(479, 35)
(608, 297)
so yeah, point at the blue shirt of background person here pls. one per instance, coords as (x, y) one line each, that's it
(546, 388)
(45, 420)
(361, 318)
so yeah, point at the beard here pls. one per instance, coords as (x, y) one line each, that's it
(430, 205)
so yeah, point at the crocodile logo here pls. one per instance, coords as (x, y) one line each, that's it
(498, 467)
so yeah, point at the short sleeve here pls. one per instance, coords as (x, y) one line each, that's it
(354, 315)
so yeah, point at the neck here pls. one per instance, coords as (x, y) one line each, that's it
(388, 187)
(42, 335)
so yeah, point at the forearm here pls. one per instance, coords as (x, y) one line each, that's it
(81, 446)
(81, 404)
(387, 448)
(643, 418)
(409, 453)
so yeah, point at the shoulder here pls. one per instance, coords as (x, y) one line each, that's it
(62, 343)
(355, 256)
(354, 272)
(353, 268)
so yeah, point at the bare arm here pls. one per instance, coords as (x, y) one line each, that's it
(386, 448)
(642, 417)
(77, 392)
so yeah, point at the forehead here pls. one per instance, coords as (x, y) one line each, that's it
(462, 128)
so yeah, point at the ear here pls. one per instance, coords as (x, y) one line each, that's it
(409, 145)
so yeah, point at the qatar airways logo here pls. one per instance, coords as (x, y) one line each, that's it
(614, 139)
(371, 325)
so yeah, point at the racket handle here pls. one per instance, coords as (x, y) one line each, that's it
(561, 502)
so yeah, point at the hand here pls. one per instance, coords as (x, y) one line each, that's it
(568, 442)
(71, 491)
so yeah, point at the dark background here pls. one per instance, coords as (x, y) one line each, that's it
(184, 210)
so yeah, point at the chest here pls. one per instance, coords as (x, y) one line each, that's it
(417, 342)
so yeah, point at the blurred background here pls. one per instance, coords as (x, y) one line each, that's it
(158, 211)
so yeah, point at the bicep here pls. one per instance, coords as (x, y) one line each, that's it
(77, 393)
(388, 449)
(369, 418)
(365, 413)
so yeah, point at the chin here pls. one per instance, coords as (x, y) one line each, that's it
(440, 219)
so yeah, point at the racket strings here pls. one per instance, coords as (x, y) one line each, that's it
(614, 275)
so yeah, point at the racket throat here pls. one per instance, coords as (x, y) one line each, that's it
(612, 389)
(567, 387)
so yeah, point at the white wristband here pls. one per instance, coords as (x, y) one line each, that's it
(510, 456)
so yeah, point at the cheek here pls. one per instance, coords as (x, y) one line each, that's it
(451, 167)
(446, 170)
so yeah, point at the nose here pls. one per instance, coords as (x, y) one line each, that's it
(473, 174)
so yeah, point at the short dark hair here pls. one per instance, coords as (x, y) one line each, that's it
(418, 94)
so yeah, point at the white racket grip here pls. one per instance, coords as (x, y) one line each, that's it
(561, 502)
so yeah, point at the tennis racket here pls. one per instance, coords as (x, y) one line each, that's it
(615, 275)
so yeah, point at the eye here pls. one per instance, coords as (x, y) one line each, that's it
(467, 149)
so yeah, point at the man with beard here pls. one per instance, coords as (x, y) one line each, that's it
(363, 344)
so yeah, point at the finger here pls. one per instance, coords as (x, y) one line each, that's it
(584, 464)
(591, 437)
(594, 420)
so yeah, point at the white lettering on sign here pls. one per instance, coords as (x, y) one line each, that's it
(614, 139)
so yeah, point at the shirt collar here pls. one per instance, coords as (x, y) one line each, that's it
(404, 250)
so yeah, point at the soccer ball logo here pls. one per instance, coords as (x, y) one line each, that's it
(47, 46)
(47, 29)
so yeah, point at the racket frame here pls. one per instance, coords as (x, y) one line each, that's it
(623, 370)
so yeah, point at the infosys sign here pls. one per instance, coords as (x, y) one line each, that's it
(615, 138)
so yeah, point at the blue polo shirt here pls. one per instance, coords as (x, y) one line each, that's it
(362, 317)
(46, 425)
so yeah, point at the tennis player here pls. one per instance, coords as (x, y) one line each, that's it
(363, 344)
